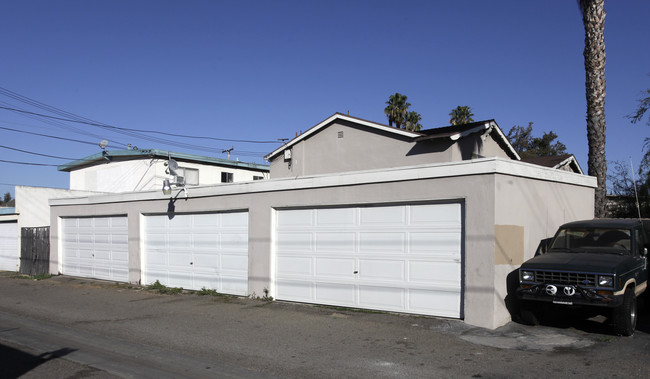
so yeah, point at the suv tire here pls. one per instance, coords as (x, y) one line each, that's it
(624, 317)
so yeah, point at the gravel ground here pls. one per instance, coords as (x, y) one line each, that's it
(296, 340)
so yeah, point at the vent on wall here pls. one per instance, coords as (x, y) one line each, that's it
(341, 134)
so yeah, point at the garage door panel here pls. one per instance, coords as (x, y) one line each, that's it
(335, 242)
(441, 303)
(382, 242)
(434, 272)
(335, 267)
(388, 298)
(236, 285)
(330, 293)
(207, 250)
(435, 214)
(179, 279)
(234, 262)
(386, 216)
(234, 241)
(442, 243)
(9, 246)
(300, 218)
(95, 247)
(206, 241)
(384, 269)
(295, 241)
(206, 281)
(236, 220)
(179, 259)
(407, 258)
(295, 290)
(336, 217)
(294, 266)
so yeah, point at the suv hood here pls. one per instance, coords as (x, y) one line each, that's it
(577, 262)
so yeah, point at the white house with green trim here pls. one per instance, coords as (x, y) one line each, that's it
(119, 171)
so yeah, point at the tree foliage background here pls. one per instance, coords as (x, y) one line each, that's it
(528, 146)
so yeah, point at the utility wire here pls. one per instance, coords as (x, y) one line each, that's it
(102, 125)
(42, 155)
(29, 163)
(48, 136)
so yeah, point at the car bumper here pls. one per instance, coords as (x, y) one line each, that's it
(569, 295)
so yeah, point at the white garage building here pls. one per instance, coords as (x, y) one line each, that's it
(356, 214)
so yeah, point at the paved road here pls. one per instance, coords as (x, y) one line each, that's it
(70, 327)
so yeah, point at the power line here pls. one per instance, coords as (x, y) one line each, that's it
(102, 125)
(48, 136)
(29, 163)
(33, 153)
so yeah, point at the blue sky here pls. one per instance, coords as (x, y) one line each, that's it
(265, 70)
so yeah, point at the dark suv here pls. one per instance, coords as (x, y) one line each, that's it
(595, 263)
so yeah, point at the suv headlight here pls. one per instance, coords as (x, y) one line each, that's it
(605, 281)
(528, 276)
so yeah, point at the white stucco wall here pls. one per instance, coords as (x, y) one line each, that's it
(474, 183)
(147, 175)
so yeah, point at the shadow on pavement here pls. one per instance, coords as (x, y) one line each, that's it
(16, 363)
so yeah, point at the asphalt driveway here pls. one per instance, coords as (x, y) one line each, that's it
(103, 329)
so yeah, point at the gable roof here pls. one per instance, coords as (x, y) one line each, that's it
(125, 155)
(556, 161)
(340, 116)
(455, 132)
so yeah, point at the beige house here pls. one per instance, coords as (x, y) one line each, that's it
(355, 214)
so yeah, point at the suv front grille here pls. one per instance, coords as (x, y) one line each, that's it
(574, 278)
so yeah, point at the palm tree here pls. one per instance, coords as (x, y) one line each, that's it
(461, 115)
(396, 109)
(413, 122)
(593, 18)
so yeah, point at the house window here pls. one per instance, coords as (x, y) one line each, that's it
(226, 177)
(258, 177)
(191, 175)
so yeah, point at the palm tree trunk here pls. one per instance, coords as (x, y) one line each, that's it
(593, 18)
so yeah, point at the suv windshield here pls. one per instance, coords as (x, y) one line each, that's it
(606, 239)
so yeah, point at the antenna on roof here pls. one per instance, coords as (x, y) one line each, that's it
(228, 151)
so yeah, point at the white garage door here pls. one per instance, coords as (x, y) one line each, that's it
(9, 255)
(96, 247)
(196, 251)
(404, 258)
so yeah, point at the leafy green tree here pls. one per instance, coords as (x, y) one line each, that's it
(6, 199)
(462, 114)
(593, 19)
(527, 146)
(413, 122)
(396, 109)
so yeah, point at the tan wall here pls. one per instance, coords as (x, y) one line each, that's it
(473, 183)
(361, 148)
(527, 211)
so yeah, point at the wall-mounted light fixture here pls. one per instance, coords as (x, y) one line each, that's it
(179, 180)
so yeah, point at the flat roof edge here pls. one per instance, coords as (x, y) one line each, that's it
(483, 166)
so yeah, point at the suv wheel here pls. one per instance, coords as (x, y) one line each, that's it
(624, 317)
(530, 313)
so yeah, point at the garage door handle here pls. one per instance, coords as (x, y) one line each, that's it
(191, 263)
(356, 272)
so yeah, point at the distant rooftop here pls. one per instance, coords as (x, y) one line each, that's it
(124, 155)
